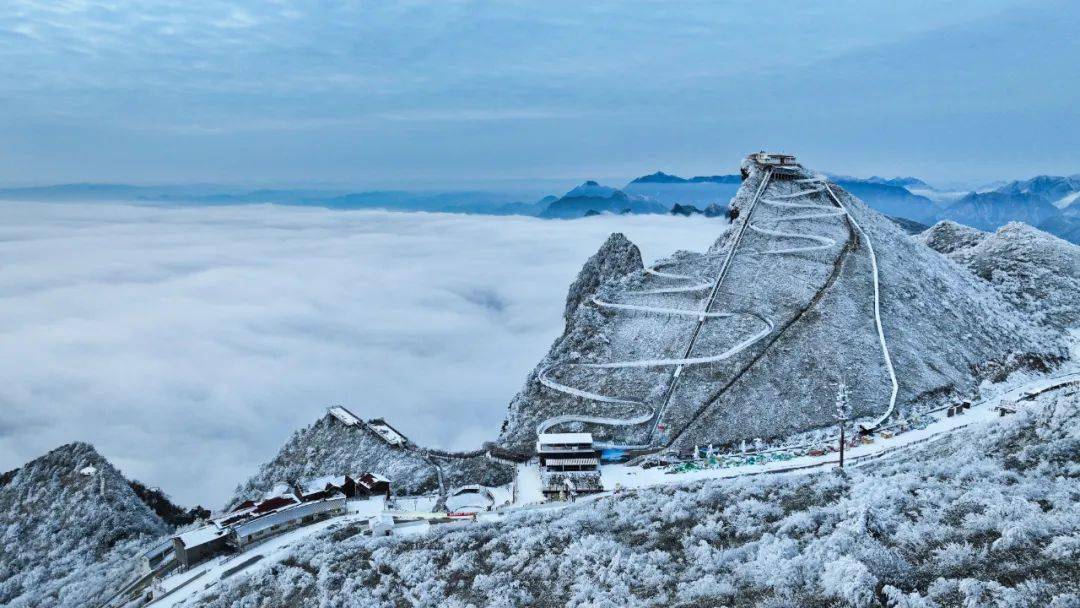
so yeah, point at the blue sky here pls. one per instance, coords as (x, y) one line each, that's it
(442, 93)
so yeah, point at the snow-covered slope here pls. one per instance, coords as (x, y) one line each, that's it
(594, 197)
(1069, 199)
(329, 447)
(794, 314)
(947, 237)
(908, 226)
(1035, 271)
(986, 518)
(70, 526)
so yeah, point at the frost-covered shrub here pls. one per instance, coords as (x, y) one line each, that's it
(951, 525)
(70, 528)
(850, 581)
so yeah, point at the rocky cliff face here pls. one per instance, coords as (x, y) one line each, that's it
(617, 265)
(617, 257)
(948, 236)
(71, 527)
(793, 316)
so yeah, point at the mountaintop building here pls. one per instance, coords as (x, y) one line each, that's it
(569, 464)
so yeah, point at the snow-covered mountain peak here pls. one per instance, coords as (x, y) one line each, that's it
(948, 236)
(703, 347)
(592, 189)
(616, 258)
(591, 198)
(330, 447)
(1037, 272)
(659, 178)
(71, 525)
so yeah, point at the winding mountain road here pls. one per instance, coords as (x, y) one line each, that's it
(877, 312)
(647, 413)
(702, 315)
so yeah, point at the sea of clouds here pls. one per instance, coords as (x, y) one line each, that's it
(187, 344)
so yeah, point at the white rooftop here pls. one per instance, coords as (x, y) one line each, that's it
(388, 434)
(287, 514)
(319, 483)
(550, 438)
(201, 535)
(344, 415)
(161, 547)
(280, 489)
(377, 477)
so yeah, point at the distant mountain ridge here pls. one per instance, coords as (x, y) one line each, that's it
(903, 182)
(593, 197)
(1045, 201)
(666, 178)
(99, 192)
(701, 192)
(891, 198)
(988, 210)
(1053, 188)
(465, 201)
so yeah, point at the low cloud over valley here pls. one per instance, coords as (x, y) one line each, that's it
(188, 343)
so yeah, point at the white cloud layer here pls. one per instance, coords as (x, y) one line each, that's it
(187, 344)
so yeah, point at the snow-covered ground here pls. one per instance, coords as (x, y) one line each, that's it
(192, 582)
(419, 504)
(414, 513)
(529, 485)
(884, 533)
(617, 477)
(369, 507)
(525, 494)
